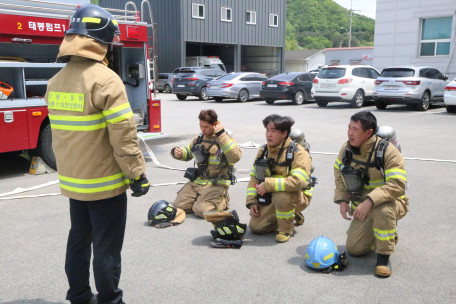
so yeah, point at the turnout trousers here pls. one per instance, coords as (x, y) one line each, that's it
(280, 214)
(378, 230)
(202, 198)
(101, 223)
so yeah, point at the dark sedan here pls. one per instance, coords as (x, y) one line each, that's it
(294, 86)
(193, 82)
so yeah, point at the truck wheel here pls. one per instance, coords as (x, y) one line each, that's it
(425, 102)
(44, 147)
(380, 105)
(322, 103)
(202, 94)
(168, 89)
(181, 97)
(243, 95)
(269, 101)
(358, 99)
(299, 98)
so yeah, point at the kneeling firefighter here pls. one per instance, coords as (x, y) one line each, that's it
(228, 232)
(163, 214)
(370, 175)
(280, 174)
(215, 153)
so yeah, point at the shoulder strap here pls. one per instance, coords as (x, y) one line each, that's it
(380, 155)
(264, 154)
(199, 140)
(292, 148)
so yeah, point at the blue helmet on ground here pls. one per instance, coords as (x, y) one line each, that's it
(322, 254)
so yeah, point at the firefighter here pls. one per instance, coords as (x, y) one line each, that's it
(375, 191)
(97, 154)
(280, 174)
(215, 153)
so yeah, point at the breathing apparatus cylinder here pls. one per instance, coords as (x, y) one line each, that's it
(390, 134)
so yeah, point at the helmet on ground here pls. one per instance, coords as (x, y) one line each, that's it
(322, 254)
(5, 90)
(226, 225)
(95, 22)
(162, 211)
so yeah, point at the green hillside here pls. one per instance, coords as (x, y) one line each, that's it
(317, 24)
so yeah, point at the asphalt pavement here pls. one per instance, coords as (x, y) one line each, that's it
(176, 264)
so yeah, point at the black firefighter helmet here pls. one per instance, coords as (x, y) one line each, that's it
(162, 214)
(95, 22)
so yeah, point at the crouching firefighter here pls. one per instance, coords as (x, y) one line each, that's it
(279, 175)
(215, 153)
(370, 175)
(228, 232)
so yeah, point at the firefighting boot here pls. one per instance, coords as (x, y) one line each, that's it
(93, 300)
(383, 268)
(299, 218)
(282, 237)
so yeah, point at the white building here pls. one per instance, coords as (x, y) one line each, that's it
(417, 33)
(304, 60)
(349, 55)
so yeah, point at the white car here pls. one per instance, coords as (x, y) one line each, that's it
(349, 83)
(449, 97)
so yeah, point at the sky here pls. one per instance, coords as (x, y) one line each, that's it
(366, 7)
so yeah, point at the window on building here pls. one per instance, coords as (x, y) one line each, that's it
(273, 20)
(435, 36)
(226, 14)
(197, 10)
(250, 17)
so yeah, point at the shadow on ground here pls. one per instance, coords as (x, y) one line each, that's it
(13, 165)
(32, 301)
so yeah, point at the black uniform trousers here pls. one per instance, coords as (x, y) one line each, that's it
(101, 223)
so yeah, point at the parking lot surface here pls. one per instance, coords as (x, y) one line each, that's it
(176, 264)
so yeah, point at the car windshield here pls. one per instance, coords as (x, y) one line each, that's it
(331, 73)
(228, 77)
(283, 77)
(396, 73)
(217, 66)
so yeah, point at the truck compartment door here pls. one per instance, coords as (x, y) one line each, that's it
(13, 130)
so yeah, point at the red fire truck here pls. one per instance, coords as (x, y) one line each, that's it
(31, 32)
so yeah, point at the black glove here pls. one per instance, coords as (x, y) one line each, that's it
(166, 224)
(139, 186)
(219, 243)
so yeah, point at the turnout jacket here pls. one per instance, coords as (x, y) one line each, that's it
(283, 179)
(93, 130)
(381, 188)
(217, 166)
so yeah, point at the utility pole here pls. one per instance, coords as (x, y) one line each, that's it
(351, 18)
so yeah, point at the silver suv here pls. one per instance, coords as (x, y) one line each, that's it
(165, 82)
(417, 86)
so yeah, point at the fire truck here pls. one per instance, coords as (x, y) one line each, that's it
(31, 32)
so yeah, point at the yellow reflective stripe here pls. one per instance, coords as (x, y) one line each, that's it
(93, 185)
(307, 255)
(77, 123)
(227, 230)
(220, 231)
(316, 265)
(337, 164)
(228, 146)
(309, 192)
(395, 173)
(251, 192)
(277, 176)
(396, 176)
(184, 150)
(118, 113)
(375, 184)
(239, 229)
(115, 22)
(161, 216)
(279, 184)
(252, 172)
(395, 170)
(402, 197)
(222, 182)
(213, 160)
(300, 173)
(385, 235)
(77, 118)
(328, 256)
(285, 215)
(354, 205)
(145, 185)
(91, 20)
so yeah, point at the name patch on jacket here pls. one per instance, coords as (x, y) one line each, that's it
(66, 101)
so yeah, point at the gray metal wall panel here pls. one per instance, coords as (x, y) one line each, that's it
(167, 16)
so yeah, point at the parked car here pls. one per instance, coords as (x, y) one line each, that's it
(193, 82)
(449, 97)
(242, 86)
(412, 85)
(315, 72)
(349, 83)
(165, 82)
(289, 86)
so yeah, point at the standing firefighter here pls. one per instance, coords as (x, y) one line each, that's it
(375, 186)
(215, 153)
(279, 175)
(97, 153)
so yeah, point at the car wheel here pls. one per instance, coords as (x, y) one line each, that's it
(322, 103)
(181, 97)
(243, 95)
(358, 99)
(168, 89)
(425, 102)
(218, 99)
(380, 105)
(451, 109)
(44, 147)
(269, 101)
(202, 94)
(299, 98)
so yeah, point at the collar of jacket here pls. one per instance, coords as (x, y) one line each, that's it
(210, 137)
(275, 150)
(81, 46)
(366, 146)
